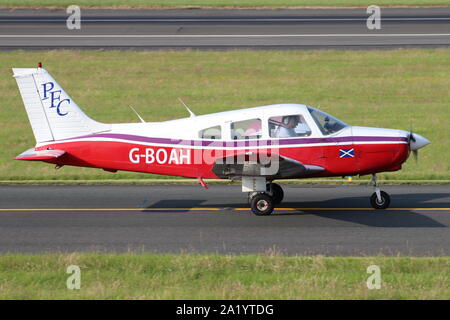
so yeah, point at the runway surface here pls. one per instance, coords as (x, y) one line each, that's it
(325, 220)
(225, 29)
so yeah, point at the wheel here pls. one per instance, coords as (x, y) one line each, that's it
(262, 204)
(250, 196)
(277, 192)
(383, 204)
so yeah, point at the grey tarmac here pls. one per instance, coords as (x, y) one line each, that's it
(312, 220)
(225, 29)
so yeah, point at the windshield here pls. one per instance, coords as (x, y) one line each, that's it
(326, 123)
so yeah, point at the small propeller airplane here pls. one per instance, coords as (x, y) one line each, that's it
(255, 146)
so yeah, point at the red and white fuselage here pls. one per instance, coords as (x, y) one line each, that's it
(174, 147)
(257, 145)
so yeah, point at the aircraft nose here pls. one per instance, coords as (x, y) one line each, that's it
(416, 141)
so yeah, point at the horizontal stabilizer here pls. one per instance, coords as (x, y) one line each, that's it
(33, 155)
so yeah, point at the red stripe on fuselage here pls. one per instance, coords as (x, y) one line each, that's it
(118, 155)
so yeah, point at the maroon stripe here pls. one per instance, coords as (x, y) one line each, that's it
(240, 143)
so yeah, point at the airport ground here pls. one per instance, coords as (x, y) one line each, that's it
(312, 220)
(198, 4)
(182, 242)
(225, 29)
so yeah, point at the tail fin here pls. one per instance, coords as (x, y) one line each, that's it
(52, 113)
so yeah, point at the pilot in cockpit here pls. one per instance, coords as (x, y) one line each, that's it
(286, 130)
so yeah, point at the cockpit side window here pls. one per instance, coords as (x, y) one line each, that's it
(211, 133)
(288, 126)
(247, 129)
(326, 123)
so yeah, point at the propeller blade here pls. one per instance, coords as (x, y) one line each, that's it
(412, 139)
(415, 142)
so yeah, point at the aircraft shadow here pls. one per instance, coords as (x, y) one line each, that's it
(374, 218)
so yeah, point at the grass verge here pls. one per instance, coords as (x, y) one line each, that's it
(400, 89)
(190, 276)
(214, 4)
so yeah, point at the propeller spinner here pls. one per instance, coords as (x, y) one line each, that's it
(415, 142)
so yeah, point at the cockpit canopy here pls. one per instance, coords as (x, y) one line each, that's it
(326, 123)
(296, 122)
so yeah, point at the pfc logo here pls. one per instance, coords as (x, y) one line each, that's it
(55, 97)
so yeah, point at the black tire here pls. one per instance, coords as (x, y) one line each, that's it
(385, 200)
(250, 196)
(277, 192)
(262, 204)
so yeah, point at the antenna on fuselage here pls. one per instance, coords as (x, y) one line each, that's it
(140, 118)
(187, 108)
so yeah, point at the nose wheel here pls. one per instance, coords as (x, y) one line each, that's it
(382, 202)
(379, 199)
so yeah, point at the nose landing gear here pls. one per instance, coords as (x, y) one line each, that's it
(379, 199)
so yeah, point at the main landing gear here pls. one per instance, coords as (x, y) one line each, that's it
(262, 203)
(379, 199)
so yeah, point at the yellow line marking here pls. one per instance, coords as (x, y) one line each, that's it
(361, 209)
(421, 209)
(111, 209)
(216, 209)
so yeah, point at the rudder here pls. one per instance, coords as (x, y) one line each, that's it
(52, 113)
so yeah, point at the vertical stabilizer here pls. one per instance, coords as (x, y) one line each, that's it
(52, 113)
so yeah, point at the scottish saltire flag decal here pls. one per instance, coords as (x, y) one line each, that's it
(346, 153)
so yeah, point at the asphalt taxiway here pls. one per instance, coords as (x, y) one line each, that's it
(317, 219)
(225, 29)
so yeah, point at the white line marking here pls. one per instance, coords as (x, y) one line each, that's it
(211, 209)
(224, 35)
(231, 20)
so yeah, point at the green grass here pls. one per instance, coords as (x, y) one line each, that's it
(391, 89)
(187, 276)
(217, 3)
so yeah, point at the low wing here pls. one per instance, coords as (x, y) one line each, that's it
(273, 167)
(33, 155)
